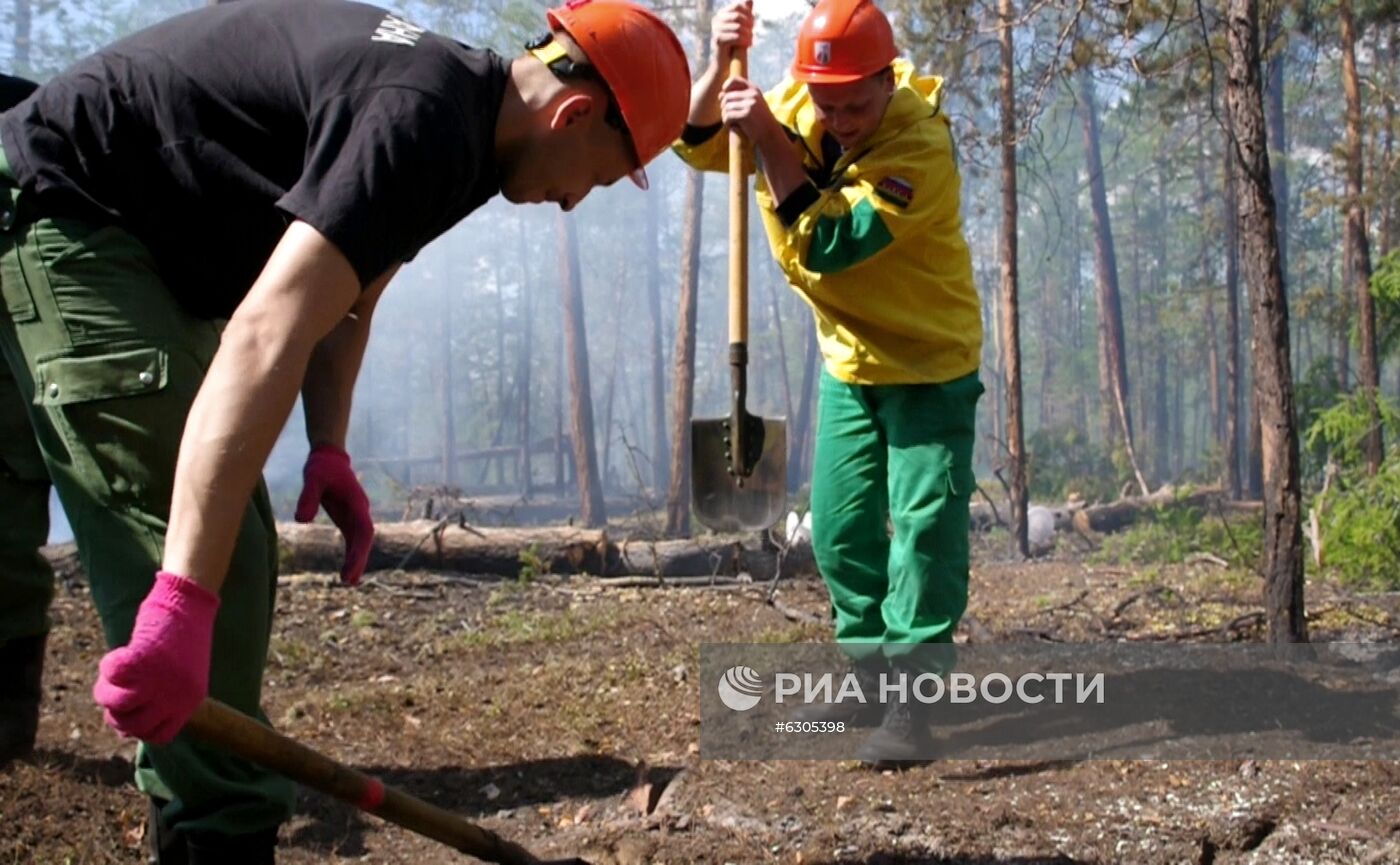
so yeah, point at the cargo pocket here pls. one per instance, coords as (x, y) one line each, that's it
(19, 304)
(118, 422)
(962, 481)
(104, 284)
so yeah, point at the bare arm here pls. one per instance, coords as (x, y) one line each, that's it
(704, 96)
(334, 366)
(731, 28)
(304, 290)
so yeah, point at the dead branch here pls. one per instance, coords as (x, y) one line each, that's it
(715, 582)
(1137, 596)
(996, 515)
(1247, 621)
(1209, 558)
(1073, 602)
(793, 614)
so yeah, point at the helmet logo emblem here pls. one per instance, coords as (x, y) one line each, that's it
(823, 52)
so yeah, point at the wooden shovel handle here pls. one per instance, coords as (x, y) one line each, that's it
(738, 219)
(238, 734)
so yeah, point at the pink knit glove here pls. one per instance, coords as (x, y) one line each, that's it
(328, 481)
(151, 686)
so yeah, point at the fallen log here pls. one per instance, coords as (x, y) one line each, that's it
(511, 552)
(1120, 514)
(1090, 520)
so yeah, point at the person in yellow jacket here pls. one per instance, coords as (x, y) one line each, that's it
(859, 191)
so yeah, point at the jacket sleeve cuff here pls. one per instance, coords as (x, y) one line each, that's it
(797, 203)
(694, 135)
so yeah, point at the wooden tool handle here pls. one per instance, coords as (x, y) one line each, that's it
(238, 734)
(738, 219)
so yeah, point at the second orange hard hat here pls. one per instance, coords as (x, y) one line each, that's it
(843, 41)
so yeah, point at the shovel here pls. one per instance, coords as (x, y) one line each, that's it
(738, 463)
(238, 734)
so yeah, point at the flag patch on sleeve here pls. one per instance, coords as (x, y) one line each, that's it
(895, 190)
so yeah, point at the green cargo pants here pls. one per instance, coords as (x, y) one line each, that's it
(100, 367)
(900, 456)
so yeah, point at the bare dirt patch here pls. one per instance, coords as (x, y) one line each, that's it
(557, 712)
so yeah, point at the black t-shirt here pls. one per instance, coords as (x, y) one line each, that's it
(207, 134)
(14, 90)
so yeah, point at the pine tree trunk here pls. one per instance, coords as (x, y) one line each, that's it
(1163, 420)
(1273, 380)
(1114, 373)
(1049, 334)
(1148, 437)
(660, 456)
(992, 357)
(1388, 188)
(1232, 338)
(1179, 419)
(523, 463)
(1075, 317)
(1217, 415)
(24, 23)
(614, 370)
(1278, 139)
(591, 511)
(683, 374)
(559, 379)
(1357, 243)
(1010, 302)
(445, 397)
(504, 403)
(683, 370)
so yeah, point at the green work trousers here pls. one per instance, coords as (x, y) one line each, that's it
(100, 368)
(894, 457)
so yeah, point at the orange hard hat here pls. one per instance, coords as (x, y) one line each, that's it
(841, 41)
(643, 64)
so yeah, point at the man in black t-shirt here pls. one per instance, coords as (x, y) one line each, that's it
(269, 163)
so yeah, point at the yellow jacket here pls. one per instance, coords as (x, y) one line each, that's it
(880, 253)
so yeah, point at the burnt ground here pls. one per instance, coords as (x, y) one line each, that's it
(535, 707)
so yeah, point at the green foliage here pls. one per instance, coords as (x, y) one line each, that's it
(1342, 428)
(1062, 460)
(1360, 514)
(532, 564)
(1315, 393)
(1172, 534)
(1361, 529)
(513, 627)
(1385, 288)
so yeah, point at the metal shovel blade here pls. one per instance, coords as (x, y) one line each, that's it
(725, 502)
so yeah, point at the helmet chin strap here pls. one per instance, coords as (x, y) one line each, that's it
(551, 53)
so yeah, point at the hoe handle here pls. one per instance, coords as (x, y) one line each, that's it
(236, 733)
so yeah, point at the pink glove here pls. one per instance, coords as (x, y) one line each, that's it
(152, 685)
(329, 481)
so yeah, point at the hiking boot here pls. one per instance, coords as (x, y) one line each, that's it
(252, 848)
(901, 741)
(21, 671)
(167, 847)
(852, 712)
